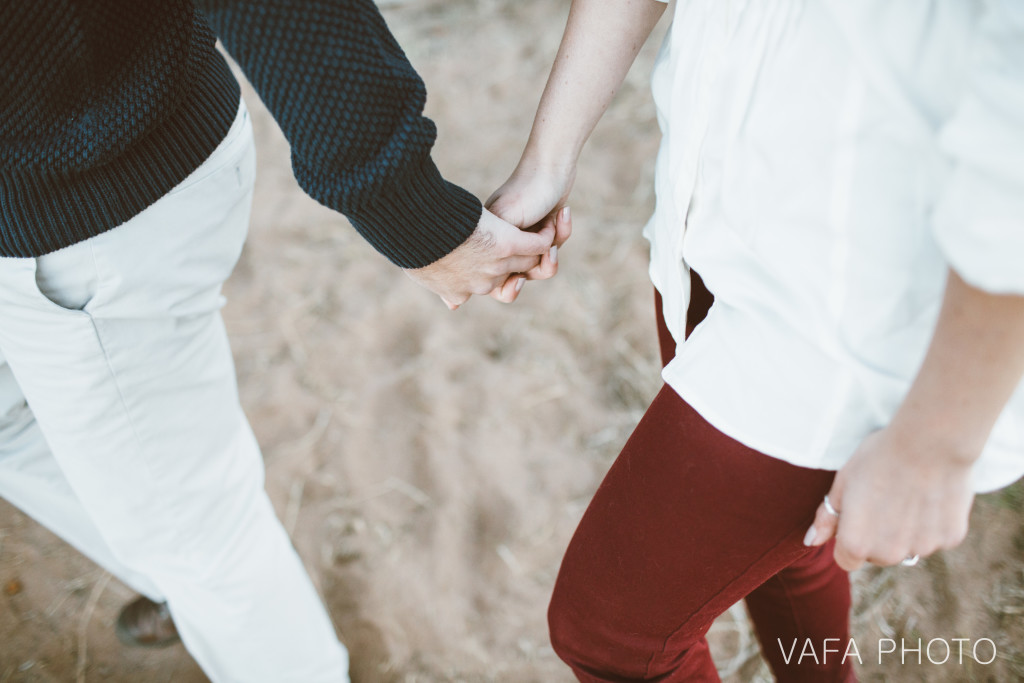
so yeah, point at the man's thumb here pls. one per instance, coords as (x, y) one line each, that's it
(526, 243)
(506, 208)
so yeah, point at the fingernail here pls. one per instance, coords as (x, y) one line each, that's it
(520, 283)
(809, 536)
(565, 214)
(554, 254)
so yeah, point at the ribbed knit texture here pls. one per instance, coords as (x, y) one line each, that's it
(106, 106)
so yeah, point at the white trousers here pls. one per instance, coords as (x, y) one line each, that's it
(121, 428)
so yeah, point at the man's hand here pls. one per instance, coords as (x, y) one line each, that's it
(897, 497)
(489, 259)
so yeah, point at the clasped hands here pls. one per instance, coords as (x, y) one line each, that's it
(517, 239)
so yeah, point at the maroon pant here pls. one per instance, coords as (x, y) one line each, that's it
(686, 523)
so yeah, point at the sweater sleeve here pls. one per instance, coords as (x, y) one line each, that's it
(351, 107)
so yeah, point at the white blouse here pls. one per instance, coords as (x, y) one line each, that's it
(823, 163)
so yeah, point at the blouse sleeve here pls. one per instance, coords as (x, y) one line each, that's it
(979, 221)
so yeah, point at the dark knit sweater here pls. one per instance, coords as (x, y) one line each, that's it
(105, 105)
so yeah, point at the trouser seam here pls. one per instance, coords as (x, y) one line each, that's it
(664, 645)
(789, 601)
(154, 479)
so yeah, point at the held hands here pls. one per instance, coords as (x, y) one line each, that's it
(601, 40)
(486, 263)
(534, 199)
(898, 497)
(499, 257)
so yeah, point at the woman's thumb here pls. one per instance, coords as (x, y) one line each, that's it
(826, 522)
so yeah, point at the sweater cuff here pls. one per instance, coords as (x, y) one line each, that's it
(419, 219)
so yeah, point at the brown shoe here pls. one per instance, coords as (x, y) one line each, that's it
(146, 623)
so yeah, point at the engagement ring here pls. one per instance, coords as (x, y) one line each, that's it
(829, 509)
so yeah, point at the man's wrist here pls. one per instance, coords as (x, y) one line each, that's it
(418, 220)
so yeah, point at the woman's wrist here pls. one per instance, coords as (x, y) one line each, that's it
(556, 159)
(935, 441)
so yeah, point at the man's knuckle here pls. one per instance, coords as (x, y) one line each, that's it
(482, 240)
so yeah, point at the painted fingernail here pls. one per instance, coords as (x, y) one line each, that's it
(520, 283)
(809, 536)
(554, 254)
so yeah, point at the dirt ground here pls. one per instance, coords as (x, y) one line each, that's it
(432, 466)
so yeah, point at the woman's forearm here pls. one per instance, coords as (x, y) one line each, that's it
(601, 40)
(907, 490)
(974, 363)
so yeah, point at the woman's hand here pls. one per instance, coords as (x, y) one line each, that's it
(906, 491)
(533, 199)
(601, 40)
(899, 496)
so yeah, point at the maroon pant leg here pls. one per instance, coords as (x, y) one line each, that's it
(810, 599)
(686, 523)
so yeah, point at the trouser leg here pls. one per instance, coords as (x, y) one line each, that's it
(809, 601)
(31, 479)
(686, 523)
(804, 610)
(134, 390)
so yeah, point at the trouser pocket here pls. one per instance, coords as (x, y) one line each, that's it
(68, 277)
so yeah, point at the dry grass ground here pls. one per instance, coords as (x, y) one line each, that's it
(432, 466)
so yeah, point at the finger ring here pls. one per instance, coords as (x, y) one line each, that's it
(910, 561)
(829, 509)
